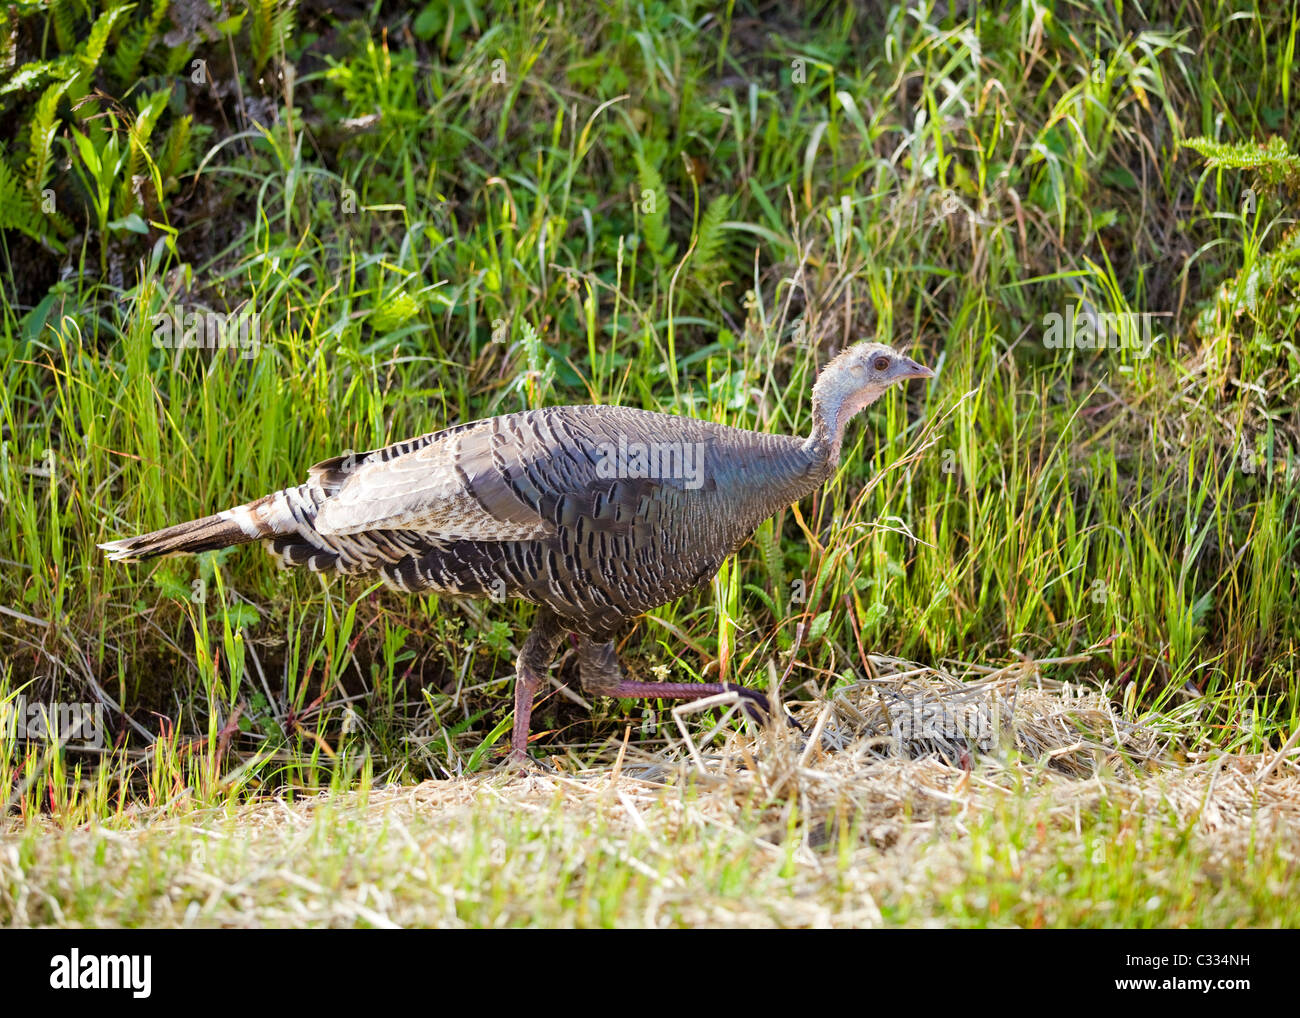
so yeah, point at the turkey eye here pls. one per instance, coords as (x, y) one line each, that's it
(881, 363)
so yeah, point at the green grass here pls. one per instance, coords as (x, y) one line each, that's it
(450, 214)
(567, 855)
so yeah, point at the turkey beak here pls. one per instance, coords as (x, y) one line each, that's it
(911, 369)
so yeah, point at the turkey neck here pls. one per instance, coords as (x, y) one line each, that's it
(775, 471)
(837, 398)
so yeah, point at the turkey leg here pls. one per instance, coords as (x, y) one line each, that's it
(534, 658)
(601, 675)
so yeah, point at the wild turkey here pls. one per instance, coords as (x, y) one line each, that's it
(594, 513)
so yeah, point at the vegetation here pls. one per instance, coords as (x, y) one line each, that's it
(437, 214)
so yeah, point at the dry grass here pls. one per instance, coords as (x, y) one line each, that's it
(1067, 816)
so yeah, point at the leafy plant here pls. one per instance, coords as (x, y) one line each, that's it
(270, 27)
(1275, 162)
(103, 51)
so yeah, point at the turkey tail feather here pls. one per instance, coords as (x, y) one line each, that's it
(252, 522)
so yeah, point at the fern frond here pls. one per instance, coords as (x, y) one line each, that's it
(286, 21)
(1242, 155)
(17, 211)
(177, 153)
(708, 246)
(653, 204)
(89, 52)
(1273, 160)
(65, 24)
(43, 126)
(270, 28)
(32, 75)
(128, 53)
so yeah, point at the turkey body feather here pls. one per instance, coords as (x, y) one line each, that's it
(599, 513)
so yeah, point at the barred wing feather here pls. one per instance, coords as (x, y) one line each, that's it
(452, 486)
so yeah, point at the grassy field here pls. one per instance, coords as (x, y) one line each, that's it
(435, 214)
